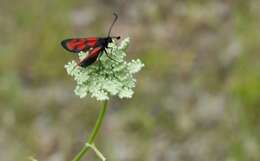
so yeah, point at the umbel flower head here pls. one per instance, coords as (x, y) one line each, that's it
(107, 77)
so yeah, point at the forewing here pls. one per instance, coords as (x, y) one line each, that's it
(79, 44)
(91, 57)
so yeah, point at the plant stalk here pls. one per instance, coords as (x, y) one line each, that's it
(94, 132)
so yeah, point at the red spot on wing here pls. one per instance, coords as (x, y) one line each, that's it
(79, 44)
(91, 41)
(91, 57)
(94, 52)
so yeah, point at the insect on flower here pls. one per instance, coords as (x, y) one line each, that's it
(95, 46)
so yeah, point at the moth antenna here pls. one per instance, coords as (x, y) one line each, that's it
(111, 26)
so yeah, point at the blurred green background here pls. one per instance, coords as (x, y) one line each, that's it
(197, 99)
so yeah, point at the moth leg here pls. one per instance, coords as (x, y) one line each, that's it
(110, 56)
(114, 75)
(100, 65)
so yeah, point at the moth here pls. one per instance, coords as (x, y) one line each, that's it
(95, 46)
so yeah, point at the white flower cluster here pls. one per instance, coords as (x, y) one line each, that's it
(107, 77)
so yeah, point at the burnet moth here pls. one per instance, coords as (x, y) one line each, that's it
(95, 46)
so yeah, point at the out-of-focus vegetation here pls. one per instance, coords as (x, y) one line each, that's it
(197, 99)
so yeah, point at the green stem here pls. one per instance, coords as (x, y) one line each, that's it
(93, 134)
